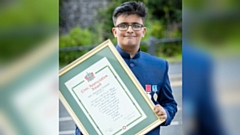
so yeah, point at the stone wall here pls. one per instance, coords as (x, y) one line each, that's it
(78, 12)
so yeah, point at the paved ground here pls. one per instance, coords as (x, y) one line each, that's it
(67, 126)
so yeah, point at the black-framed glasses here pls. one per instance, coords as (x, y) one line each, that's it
(124, 26)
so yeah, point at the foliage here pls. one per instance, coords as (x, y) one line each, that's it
(76, 37)
(24, 25)
(169, 11)
(163, 21)
(169, 49)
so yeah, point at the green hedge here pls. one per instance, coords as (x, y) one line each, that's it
(76, 37)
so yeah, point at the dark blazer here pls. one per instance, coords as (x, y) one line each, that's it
(153, 71)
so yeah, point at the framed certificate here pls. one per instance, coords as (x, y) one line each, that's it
(103, 96)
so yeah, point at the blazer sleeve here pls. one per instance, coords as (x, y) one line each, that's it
(166, 98)
(77, 131)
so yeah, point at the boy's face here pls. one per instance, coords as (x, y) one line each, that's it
(129, 38)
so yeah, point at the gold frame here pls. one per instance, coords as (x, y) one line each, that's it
(109, 44)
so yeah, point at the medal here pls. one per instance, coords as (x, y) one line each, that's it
(148, 90)
(155, 96)
(149, 95)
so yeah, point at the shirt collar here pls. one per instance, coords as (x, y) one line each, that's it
(127, 55)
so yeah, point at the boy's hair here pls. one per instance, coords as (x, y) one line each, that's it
(128, 8)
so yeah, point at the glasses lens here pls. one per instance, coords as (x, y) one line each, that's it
(136, 26)
(124, 27)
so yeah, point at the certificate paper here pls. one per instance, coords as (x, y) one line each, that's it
(104, 99)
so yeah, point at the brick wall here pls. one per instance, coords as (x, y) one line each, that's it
(78, 12)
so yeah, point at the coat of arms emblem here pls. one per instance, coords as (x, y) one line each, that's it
(89, 77)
